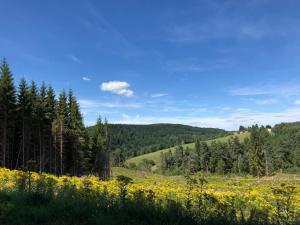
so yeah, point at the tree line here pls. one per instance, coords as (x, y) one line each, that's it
(133, 140)
(263, 153)
(43, 132)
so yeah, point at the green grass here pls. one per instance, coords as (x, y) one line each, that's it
(155, 156)
(222, 182)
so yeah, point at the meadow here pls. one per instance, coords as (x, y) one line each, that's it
(145, 198)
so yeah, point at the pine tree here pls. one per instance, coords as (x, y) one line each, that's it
(24, 114)
(236, 152)
(101, 150)
(60, 130)
(76, 135)
(50, 115)
(7, 112)
(204, 156)
(197, 156)
(42, 125)
(256, 154)
(33, 126)
(178, 156)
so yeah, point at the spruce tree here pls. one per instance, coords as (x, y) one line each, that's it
(60, 130)
(50, 115)
(7, 115)
(101, 150)
(33, 126)
(204, 156)
(256, 154)
(75, 135)
(24, 114)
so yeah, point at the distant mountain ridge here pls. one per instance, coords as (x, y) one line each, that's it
(133, 140)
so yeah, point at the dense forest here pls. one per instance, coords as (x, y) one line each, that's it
(265, 152)
(44, 132)
(133, 140)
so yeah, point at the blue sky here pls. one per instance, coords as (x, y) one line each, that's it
(205, 63)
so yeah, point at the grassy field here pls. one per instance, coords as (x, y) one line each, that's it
(217, 181)
(32, 199)
(155, 156)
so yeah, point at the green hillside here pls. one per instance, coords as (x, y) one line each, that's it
(134, 140)
(155, 156)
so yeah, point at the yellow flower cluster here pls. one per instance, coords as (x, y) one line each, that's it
(245, 193)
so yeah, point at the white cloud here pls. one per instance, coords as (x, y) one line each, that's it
(268, 101)
(158, 95)
(86, 78)
(74, 59)
(297, 102)
(231, 121)
(125, 116)
(93, 104)
(117, 87)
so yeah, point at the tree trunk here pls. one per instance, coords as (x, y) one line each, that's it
(23, 142)
(267, 167)
(61, 148)
(4, 140)
(40, 148)
(55, 153)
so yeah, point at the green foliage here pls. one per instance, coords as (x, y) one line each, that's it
(146, 165)
(285, 210)
(101, 149)
(7, 113)
(35, 127)
(262, 154)
(134, 140)
(123, 181)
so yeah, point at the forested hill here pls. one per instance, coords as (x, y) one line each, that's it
(133, 140)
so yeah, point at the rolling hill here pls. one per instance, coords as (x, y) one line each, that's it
(134, 140)
(155, 156)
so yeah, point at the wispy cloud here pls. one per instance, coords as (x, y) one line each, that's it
(158, 95)
(199, 65)
(117, 87)
(94, 105)
(74, 58)
(218, 25)
(112, 40)
(275, 90)
(229, 122)
(86, 78)
(267, 101)
(297, 102)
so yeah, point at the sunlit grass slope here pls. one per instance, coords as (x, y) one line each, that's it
(155, 156)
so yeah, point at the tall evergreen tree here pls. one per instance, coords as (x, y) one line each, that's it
(24, 108)
(60, 130)
(50, 115)
(204, 156)
(101, 150)
(256, 153)
(75, 136)
(7, 113)
(42, 125)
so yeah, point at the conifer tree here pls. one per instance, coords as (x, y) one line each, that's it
(256, 154)
(60, 130)
(76, 136)
(50, 115)
(7, 113)
(204, 156)
(42, 123)
(101, 150)
(24, 114)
